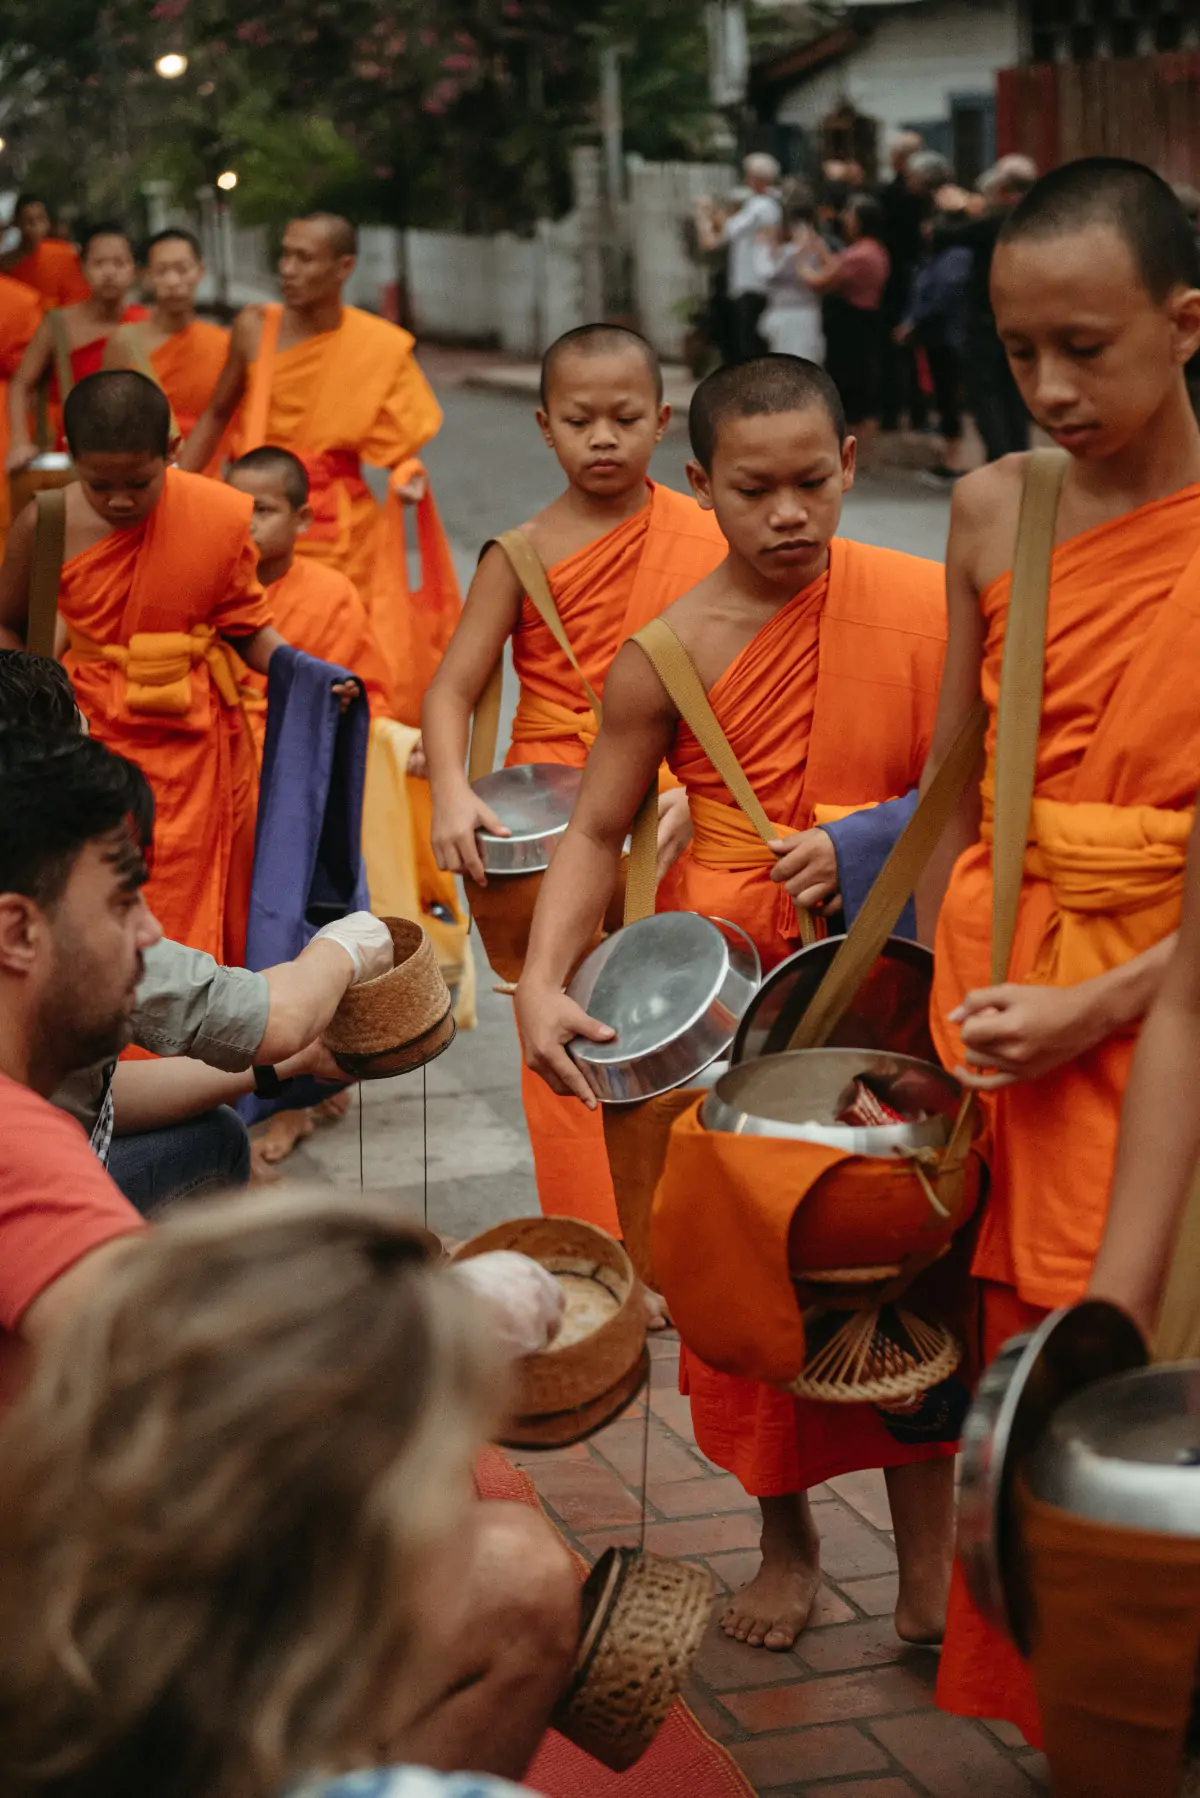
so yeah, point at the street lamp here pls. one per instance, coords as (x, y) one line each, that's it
(171, 66)
(227, 181)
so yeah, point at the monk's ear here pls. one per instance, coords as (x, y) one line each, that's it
(849, 462)
(701, 485)
(543, 419)
(664, 419)
(1185, 317)
(303, 519)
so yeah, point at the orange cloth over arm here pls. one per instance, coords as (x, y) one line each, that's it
(190, 568)
(603, 592)
(831, 703)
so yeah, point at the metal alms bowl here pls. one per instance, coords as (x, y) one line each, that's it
(799, 1094)
(535, 803)
(673, 987)
(1020, 1392)
(889, 1011)
(1126, 1451)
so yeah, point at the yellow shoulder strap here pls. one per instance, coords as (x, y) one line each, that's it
(62, 353)
(136, 339)
(49, 540)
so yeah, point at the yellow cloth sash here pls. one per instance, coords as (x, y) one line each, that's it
(723, 836)
(1116, 875)
(157, 666)
(540, 720)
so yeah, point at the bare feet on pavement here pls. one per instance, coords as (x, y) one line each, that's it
(657, 1315)
(921, 1497)
(772, 1610)
(274, 1142)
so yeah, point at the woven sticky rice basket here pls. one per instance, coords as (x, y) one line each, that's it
(584, 1379)
(399, 1021)
(643, 1620)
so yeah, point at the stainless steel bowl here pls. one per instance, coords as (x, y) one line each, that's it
(48, 462)
(798, 1096)
(890, 1010)
(535, 803)
(1020, 1392)
(1126, 1451)
(673, 987)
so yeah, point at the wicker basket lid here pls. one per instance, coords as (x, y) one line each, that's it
(643, 1620)
(399, 1021)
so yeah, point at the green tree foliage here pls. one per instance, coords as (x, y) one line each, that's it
(441, 112)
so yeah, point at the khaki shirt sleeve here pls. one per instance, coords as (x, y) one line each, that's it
(188, 1004)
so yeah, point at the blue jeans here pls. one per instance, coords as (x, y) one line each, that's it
(154, 1167)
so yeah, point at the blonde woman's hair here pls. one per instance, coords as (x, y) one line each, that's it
(217, 1493)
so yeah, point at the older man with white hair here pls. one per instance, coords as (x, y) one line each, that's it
(740, 231)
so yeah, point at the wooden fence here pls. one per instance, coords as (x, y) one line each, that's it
(1147, 107)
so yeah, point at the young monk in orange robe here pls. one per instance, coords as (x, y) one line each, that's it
(1094, 287)
(339, 387)
(821, 659)
(617, 549)
(41, 262)
(183, 353)
(20, 316)
(158, 583)
(87, 326)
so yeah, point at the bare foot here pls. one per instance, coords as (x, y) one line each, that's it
(772, 1610)
(275, 1141)
(921, 1496)
(657, 1315)
(334, 1107)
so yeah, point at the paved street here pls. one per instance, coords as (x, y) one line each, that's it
(850, 1712)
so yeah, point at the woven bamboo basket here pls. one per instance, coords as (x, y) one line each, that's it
(643, 1620)
(597, 1363)
(400, 1021)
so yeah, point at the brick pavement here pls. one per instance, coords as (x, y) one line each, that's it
(849, 1711)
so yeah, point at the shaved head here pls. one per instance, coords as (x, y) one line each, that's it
(761, 388)
(280, 464)
(1127, 196)
(117, 412)
(600, 340)
(342, 235)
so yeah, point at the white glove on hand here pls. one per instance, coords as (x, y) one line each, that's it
(366, 940)
(528, 1303)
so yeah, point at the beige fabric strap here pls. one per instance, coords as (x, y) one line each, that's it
(1019, 712)
(526, 564)
(136, 339)
(60, 343)
(888, 896)
(49, 542)
(677, 672)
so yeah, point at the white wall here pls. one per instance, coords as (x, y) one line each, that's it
(913, 61)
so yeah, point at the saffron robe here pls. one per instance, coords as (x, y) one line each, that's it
(20, 316)
(186, 366)
(1116, 778)
(604, 592)
(831, 705)
(54, 273)
(337, 400)
(319, 611)
(88, 359)
(148, 610)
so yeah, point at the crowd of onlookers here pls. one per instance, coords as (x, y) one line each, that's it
(886, 283)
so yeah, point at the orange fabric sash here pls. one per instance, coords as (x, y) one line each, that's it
(157, 666)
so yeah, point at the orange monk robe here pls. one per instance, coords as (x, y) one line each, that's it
(147, 610)
(1116, 777)
(87, 359)
(831, 705)
(337, 400)
(604, 592)
(20, 316)
(319, 611)
(186, 366)
(53, 271)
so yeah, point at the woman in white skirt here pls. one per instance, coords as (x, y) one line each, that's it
(792, 323)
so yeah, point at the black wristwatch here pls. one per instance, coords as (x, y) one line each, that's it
(268, 1085)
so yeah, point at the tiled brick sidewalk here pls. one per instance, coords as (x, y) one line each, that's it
(850, 1711)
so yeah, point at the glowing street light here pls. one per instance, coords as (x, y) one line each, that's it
(2, 145)
(171, 66)
(227, 181)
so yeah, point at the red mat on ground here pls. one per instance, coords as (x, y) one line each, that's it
(681, 1762)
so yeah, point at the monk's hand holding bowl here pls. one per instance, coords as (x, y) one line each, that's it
(807, 868)
(1022, 1032)
(547, 1020)
(674, 828)
(452, 833)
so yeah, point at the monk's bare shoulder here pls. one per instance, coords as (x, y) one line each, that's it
(695, 610)
(983, 519)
